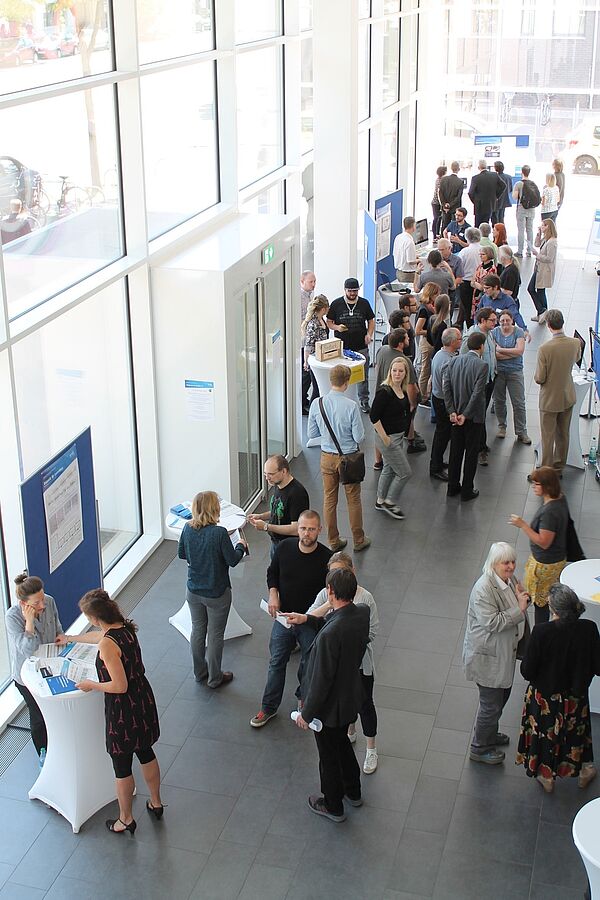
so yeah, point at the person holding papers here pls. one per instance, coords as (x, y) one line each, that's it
(130, 708)
(31, 622)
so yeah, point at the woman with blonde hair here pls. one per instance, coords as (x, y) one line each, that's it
(314, 328)
(390, 415)
(558, 167)
(545, 250)
(425, 311)
(207, 547)
(550, 198)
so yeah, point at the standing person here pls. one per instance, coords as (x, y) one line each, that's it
(439, 272)
(455, 263)
(390, 415)
(436, 209)
(353, 320)
(547, 535)
(499, 235)
(550, 198)
(497, 299)
(405, 252)
(470, 257)
(308, 281)
(456, 228)
(504, 202)
(367, 712)
(486, 267)
(485, 190)
(510, 276)
(495, 624)
(314, 328)
(344, 418)
(450, 193)
(130, 708)
(398, 346)
(485, 322)
(544, 269)
(288, 500)
(427, 308)
(451, 341)
(438, 322)
(464, 384)
(296, 574)
(510, 346)
(555, 360)
(30, 622)
(486, 241)
(209, 553)
(560, 661)
(558, 167)
(332, 692)
(527, 195)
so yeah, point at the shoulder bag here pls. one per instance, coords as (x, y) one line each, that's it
(352, 465)
(574, 548)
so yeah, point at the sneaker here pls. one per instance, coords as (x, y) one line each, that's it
(378, 466)
(352, 737)
(366, 543)
(370, 763)
(339, 544)
(524, 438)
(483, 458)
(317, 805)
(502, 740)
(543, 317)
(535, 318)
(358, 801)
(425, 403)
(364, 407)
(415, 447)
(501, 433)
(518, 255)
(261, 718)
(394, 512)
(489, 757)
(379, 505)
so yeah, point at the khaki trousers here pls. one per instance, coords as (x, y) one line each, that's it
(405, 277)
(330, 463)
(426, 351)
(555, 437)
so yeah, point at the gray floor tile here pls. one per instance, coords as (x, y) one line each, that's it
(498, 783)
(266, 882)
(27, 819)
(6, 871)
(413, 669)
(48, 854)
(251, 816)
(224, 874)
(423, 633)
(561, 807)
(403, 734)
(445, 740)
(432, 804)
(212, 766)
(466, 877)
(409, 701)
(416, 863)
(457, 709)
(13, 891)
(557, 860)
(178, 721)
(429, 599)
(541, 891)
(443, 765)
(21, 774)
(392, 785)
(510, 831)
(286, 853)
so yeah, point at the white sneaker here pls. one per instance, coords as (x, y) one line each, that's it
(352, 737)
(370, 763)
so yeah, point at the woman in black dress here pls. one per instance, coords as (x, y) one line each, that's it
(131, 714)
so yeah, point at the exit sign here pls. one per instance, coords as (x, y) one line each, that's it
(267, 254)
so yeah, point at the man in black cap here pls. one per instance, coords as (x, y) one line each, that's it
(353, 320)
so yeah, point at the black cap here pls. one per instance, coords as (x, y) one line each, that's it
(351, 283)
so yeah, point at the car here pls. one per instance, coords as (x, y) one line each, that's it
(16, 180)
(582, 152)
(52, 44)
(16, 52)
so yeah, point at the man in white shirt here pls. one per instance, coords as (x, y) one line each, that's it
(471, 260)
(405, 252)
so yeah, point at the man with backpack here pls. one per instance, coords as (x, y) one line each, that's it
(527, 195)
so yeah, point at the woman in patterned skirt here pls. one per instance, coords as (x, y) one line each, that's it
(130, 708)
(562, 657)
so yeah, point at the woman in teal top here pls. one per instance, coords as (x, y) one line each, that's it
(510, 345)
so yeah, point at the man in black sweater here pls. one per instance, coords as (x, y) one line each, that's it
(295, 576)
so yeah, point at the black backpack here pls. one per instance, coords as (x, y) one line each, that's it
(530, 195)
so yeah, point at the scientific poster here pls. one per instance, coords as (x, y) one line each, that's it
(383, 218)
(61, 490)
(200, 400)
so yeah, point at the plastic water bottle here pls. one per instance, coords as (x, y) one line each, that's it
(593, 455)
(316, 724)
(42, 757)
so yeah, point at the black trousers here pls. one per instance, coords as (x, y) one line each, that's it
(541, 614)
(482, 214)
(498, 216)
(489, 390)
(36, 719)
(306, 381)
(466, 302)
(368, 713)
(436, 220)
(441, 438)
(464, 445)
(338, 767)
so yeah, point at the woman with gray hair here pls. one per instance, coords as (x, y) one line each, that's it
(562, 657)
(495, 624)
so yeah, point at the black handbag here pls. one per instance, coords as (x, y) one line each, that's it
(352, 465)
(574, 548)
(522, 645)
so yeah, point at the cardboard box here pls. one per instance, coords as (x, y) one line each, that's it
(329, 349)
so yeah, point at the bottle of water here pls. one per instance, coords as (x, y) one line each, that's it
(593, 455)
(316, 724)
(42, 757)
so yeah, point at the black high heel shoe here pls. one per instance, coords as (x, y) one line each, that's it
(156, 811)
(110, 824)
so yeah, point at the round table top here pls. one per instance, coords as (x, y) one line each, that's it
(585, 830)
(232, 517)
(584, 578)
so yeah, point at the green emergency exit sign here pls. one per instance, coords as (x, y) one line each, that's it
(267, 254)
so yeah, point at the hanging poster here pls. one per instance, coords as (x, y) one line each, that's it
(200, 400)
(61, 489)
(383, 218)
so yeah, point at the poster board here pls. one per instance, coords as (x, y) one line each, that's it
(593, 246)
(388, 223)
(61, 528)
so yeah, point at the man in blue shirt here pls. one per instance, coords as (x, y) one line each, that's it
(455, 230)
(495, 298)
(346, 423)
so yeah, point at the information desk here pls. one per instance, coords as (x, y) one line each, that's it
(583, 577)
(321, 370)
(232, 518)
(581, 382)
(77, 779)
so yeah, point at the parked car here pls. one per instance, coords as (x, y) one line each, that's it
(51, 44)
(16, 180)
(582, 153)
(16, 52)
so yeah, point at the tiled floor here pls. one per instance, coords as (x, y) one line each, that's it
(433, 824)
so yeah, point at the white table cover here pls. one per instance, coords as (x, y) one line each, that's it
(320, 369)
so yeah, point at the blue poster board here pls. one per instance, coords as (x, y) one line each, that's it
(369, 260)
(386, 270)
(82, 569)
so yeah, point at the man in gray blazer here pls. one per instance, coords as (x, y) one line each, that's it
(464, 384)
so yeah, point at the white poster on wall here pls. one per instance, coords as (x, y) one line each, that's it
(383, 219)
(200, 400)
(61, 488)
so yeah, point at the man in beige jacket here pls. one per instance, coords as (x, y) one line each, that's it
(557, 392)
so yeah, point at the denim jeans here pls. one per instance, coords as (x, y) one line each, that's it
(516, 391)
(362, 388)
(525, 219)
(208, 614)
(283, 640)
(396, 469)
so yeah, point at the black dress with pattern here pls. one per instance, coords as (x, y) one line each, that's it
(132, 717)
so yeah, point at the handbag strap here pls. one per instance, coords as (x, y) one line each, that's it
(329, 428)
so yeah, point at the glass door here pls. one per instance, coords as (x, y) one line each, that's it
(273, 332)
(247, 361)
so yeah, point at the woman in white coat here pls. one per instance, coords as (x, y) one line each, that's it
(495, 624)
(545, 249)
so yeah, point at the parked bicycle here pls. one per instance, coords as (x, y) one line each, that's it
(73, 197)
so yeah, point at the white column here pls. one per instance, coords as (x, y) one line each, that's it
(335, 47)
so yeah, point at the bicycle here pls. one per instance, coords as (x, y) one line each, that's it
(40, 203)
(74, 198)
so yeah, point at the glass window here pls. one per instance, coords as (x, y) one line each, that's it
(259, 114)
(364, 71)
(60, 153)
(363, 170)
(81, 378)
(180, 145)
(43, 43)
(257, 20)
(268, 201)
(391, 60)
(364, 9)
(569, 22)
(306, 89)
(4, 657)
(527, 21)
(171, 28)
(389, 155)
(391, 6)
(306, 13)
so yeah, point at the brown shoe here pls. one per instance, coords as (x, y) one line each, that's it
(546, 783)
(227, 677)
(588, 773)
(339, 545)
(363, 546)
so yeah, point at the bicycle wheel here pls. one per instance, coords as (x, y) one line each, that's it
(37, 216)
(96, 195)
(76, 198)
(42, 201)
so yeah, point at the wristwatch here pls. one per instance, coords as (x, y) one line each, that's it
(266, 528)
